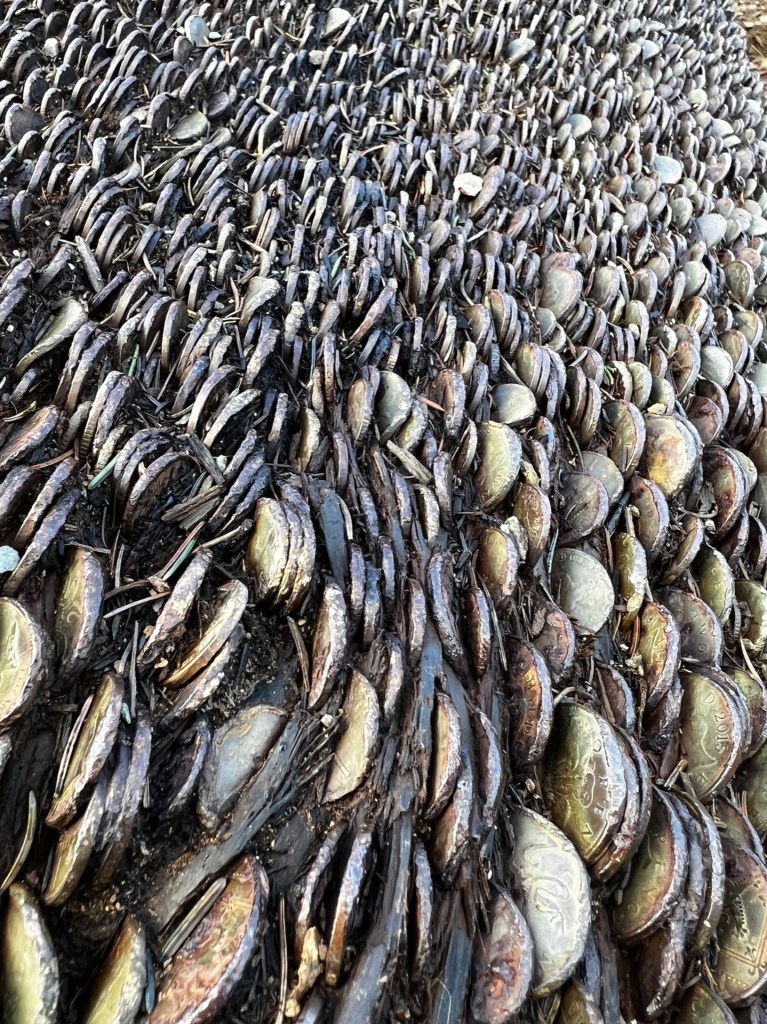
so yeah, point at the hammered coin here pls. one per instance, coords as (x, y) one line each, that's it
(584, 782)
(22, 660)
(502, 963)
(556, 898)
(29, 979)
(577, 1007)
(658, 873)
(740, 972)
(752, 781)
(583, 588)
(712, 734)
(701, 1006)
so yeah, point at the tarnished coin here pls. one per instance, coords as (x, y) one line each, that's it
(669, 454)
(755, 695)
(91, 750)
(78, 610)
(740, 972)
(118, 990)
(752, 783)
(660, 964)
(170, 622)
(652, 524)
(29, 979)
(445, 755)
(531, 704)
(226, 614)
(584, 781)
(348, 905)
(660, 649)
(357, 745)
(712, 733)
(631, 563)
(713, 872)
(699, 628)
(583, 588)
(202, 974)
(577, 1007)
(22, 660)
(658, 873)
(556, 898)
(734, 824)
(239, 747)
(701, 1006)
(636, 815)
(74, 849)
(502, 964)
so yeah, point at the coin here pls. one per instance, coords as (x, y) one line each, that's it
(755, 694)
(636, 816)
(658, 873)
(713, 873)
(712, 733)
(22, 661)
(660, 964)
(577, 1007)
(701, 1006)
(531, 704)
(556, 899)
(660, 650)
(740, 972)
(584, 589)
(584, 782)
(503, 963)
(752, 782)
(736, 826)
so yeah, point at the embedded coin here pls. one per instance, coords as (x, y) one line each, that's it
(577, 1007)
(658, 873)
(503, 963)
(22, 662)
(740, 972)
(712, 734)
(583, 588)
(752, 781)
(532, 705)
(584, 782)
(556, 898)
(701, 1006)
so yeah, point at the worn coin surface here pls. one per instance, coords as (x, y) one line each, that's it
(531, 704)
(712, 734)
(585, 780)
(577, 1006)
(701, 1006)
(740, 972)
(556, 898)
(658, 872)
(583, 588)
(503, 963)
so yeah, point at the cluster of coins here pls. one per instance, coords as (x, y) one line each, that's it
(383, 513)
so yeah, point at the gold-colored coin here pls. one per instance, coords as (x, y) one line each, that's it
(712, 733)
(701, 1006)
(658, 873)
(577, 1007)
(22, 667)
(740, 972)
(584, 782)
